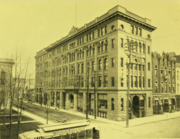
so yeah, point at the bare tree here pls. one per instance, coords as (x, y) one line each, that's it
(16, 83)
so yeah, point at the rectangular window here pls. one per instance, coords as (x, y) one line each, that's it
(144, 49)
(135, 66)
(149, 66)
(148, 49)
(2, 78)
(139, 81)
(135, 81)
(122, 62)
(142, 67)
(82, 82)
(140, 32)
(100, 79)
(149, 84)
(149, 102)
(82, 68)
(112, 81)
(131, 81)
(113, 62)
(98, 32)
(92, 81)
(112, 42)
(139, 67)
(105, 29)
(122, 43)
(87, 37)
(121, 82)
(105, 81)
(143, 82)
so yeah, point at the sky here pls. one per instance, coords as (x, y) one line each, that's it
(31, 25)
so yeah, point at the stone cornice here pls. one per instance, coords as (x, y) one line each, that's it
(116, 12)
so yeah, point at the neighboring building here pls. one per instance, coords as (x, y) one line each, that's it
(6, 66)
(177, 82)
(164, 82)
(61, 68)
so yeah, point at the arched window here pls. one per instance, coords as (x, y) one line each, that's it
(122, 104)
(112, 103)
(102, 46)
(100, 64)
(105, 64)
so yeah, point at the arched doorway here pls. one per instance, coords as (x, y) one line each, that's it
(71, 98)
(136, 106)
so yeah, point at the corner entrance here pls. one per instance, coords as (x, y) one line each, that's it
(136, 106)
(138, 109)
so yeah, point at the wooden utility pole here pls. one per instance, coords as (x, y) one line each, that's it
(130, 49)
(87, 97)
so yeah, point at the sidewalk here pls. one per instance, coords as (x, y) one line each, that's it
(132, 122)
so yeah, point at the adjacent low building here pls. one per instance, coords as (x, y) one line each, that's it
(6, 66)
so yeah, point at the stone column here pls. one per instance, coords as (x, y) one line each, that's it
(67, 101)
(61, 100)
(84, 102)
(75, 101)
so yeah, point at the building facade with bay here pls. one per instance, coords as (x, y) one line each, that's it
(164, 82)
(94, 56)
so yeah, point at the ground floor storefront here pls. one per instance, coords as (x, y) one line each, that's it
(165, 103)
(110, 104)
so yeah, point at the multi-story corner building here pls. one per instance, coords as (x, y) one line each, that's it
(163, 82)
(96, 53)
(177, 82)
(6, 66)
